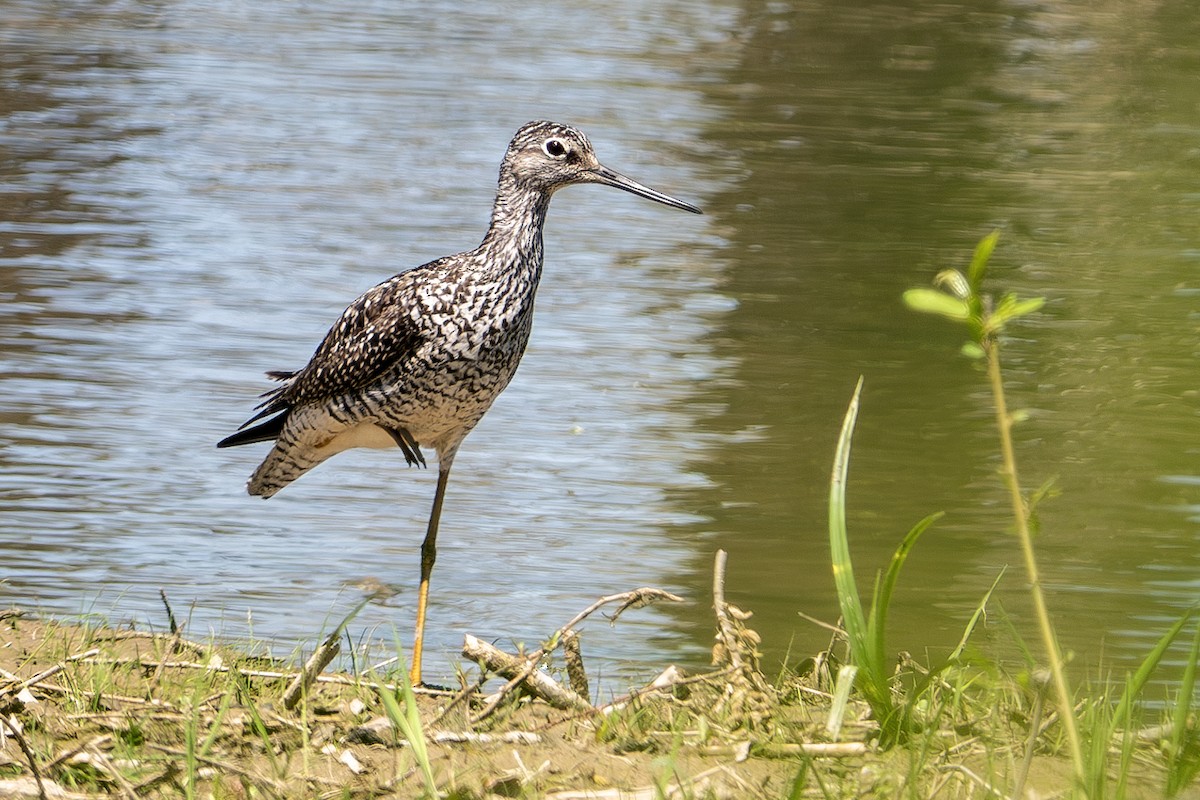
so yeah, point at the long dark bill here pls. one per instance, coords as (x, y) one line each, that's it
(608, 177)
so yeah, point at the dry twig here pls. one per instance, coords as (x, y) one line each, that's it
(520, 670)
(312, 669)
(51, 672)
(225, 766)
(523, 670)
(103, 763)
(103, 740)
(15, 732)
(747, 695)
(178, 642)
(341, 680)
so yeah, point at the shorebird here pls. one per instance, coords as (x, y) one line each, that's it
(417, 360)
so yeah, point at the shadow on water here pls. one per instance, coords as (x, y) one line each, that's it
(869, 145)
(59, 150)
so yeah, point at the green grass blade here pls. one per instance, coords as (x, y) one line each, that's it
(408, 721)
(1137, 683)
(217, 727)
(841, 697)
(1125, 763)
(256, 721)
(839, 545)
(980, 610)
(873, 678)
(873, 656)
(1180, 768)
(877, 622)
(800, 781)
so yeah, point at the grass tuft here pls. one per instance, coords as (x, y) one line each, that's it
(866, 630)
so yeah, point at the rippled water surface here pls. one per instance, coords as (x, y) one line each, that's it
(191, 192)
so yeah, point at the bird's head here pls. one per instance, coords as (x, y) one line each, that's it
(546, 156)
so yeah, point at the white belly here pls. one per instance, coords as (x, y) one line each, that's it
(367, 434)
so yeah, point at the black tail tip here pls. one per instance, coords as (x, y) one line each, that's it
(263, 432)
(229, 441)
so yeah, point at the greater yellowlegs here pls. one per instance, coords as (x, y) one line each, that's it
(418, 360)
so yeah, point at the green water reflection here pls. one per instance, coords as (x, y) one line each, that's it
(868, 146)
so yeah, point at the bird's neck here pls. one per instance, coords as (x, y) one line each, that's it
(514, 238)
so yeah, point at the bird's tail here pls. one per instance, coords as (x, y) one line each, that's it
(265, 432)
(306, 437)
(300, 445)
(284, 464)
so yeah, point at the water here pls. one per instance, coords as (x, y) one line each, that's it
(191, 193)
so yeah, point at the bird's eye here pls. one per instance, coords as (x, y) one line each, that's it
(555, 148)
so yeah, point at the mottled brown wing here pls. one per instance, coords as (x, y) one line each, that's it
(372, 334)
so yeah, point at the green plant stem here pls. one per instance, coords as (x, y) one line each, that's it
(1004, 422)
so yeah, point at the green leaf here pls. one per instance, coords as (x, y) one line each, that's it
(1180, 768)
(408, 721)
(1009, 308)
(841, 698)
(972, 350)
(932, 301)
(1023, 307)
(873, 679)
(979, 260)
(877, 623)
(980, 612)
(839, 545)
(1137, 682)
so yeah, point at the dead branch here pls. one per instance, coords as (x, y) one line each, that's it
(225, 766)
(14, 731)
(102, 762)
(175, 642)
(372, 733)
(519, 670)
(523, 670)
(214, 667)
(51, 672)
(669, 678)
(256, 673)
(104, 740)
(820, 623)
(812, 749)
(747, 696)
(638, 598)
(727, 638)
(459, 697)
(736, 644)
(312, 668)
(470, 737)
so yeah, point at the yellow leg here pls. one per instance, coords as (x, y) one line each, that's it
(428, 556)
